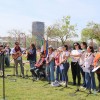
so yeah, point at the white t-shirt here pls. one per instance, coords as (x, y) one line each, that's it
(64, 54)
(51, 56)
(76, 52)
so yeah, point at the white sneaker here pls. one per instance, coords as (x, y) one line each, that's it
(55, 84)
(64, 84)
(81, 87)
(61, 83)
(85, 89)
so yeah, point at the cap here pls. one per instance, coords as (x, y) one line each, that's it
(50, 46)
(60, 48)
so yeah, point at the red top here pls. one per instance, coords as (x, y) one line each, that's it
(57, 59)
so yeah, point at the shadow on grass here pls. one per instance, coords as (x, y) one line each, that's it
(61, 89)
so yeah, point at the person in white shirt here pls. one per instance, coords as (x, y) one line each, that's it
(50, 65)
(75, 67)
(87, 68)
(18, 60)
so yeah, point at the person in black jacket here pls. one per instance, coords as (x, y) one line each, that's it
(31, 56)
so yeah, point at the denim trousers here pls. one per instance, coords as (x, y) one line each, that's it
(50, 71)
(7, 60)
(32, 63)
(58, 74)
(64, 72)
(90, 80)
(32, 68)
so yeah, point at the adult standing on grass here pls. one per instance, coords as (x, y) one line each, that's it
(50, 61)
(31, 56)
(57, 66)
(64, 65)
(1, 59)
(82, 58)
(75, 67)
(96, 64)
(17, 56)
(7, 56)
(87, 68)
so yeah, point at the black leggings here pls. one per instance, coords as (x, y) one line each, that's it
(98, 76)
(75, 68)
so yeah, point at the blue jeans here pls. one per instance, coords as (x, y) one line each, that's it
(7, 60)
(83, 76)
(58, 74)
(32, 68)
(90, 80)
(50, 71)
(64, 72)
(32, 63)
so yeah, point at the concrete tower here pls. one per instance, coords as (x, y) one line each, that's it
(38, 29)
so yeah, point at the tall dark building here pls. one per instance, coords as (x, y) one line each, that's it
(38, 29)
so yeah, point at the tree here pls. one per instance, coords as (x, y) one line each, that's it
(61, 30)
(92, 31)
(17, 35)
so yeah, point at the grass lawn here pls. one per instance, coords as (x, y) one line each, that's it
(18, 88)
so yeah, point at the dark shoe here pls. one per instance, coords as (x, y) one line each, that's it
(74, 83)
(16, 75)
(22, 76)
(78, 84)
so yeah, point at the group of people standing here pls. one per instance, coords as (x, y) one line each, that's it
(6, 56)
(55, 64)
(83, 61)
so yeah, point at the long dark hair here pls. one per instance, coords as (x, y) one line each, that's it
(85, 44)
(66, 46)
(76, 44)
(92, 49)
(33, 46)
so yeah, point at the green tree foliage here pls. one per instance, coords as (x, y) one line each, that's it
(62, 30)
(92, 31)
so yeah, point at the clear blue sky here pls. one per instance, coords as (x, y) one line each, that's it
(19, 14)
